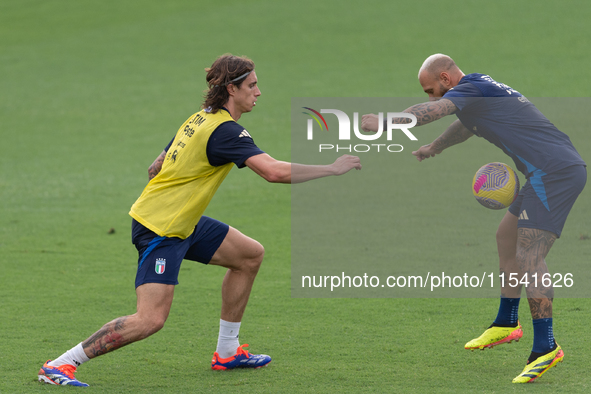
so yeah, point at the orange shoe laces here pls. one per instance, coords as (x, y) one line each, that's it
(68, 370)
(240, 350)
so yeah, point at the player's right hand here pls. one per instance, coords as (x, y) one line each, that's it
(346, 163)
(370, 122)
(425, 152)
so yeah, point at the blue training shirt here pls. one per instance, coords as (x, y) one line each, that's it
(505, 118)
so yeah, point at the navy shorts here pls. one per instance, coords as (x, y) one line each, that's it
(160, 258)
(545, 201)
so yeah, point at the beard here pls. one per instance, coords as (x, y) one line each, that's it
(442, 89)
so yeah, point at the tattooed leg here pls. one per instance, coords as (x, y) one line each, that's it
(532, 247)
(107, 339)
(153, 306)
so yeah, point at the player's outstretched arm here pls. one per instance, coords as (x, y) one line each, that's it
(424, 112)
(454, 134)
(276, 171)
(156, 166)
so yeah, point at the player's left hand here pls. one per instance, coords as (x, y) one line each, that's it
(425, 152)
(346, 163)
(370, 122)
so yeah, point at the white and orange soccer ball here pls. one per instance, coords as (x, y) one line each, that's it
(495, 185)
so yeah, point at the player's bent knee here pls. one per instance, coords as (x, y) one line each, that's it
(254, 257)
(253, 250)
(260, 253)
(152, 325)
(253, 262)
(239, 253)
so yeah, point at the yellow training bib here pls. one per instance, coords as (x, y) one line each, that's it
(174, 200)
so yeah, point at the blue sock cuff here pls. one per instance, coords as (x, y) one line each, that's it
(543, 335)
(508, 311)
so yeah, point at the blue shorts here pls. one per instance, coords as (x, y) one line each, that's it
(160, 258)
(545, 201)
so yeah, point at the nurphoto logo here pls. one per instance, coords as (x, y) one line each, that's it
(393, 121)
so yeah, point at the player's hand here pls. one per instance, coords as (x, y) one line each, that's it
(425, 152)
(370, 122)
(346, 163)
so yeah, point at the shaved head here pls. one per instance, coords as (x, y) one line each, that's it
(438, 74)
(437, 63)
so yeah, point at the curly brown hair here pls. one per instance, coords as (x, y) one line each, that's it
(227, 69)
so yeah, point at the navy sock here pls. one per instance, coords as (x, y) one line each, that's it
(508, 313)
(543, 336)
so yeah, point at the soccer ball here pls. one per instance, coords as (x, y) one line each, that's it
(495, 185)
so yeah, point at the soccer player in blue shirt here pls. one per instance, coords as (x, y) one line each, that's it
(555, 175)
(168, 223)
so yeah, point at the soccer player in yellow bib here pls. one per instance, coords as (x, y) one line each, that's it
(168, 223)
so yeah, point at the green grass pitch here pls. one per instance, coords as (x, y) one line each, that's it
(90, 92)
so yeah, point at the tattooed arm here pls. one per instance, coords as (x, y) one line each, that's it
(425, 113)
(429, 112)
(156, 166)
(455, 133)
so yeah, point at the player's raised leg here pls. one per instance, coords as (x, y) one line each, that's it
(153, 306)
(506, 327)
(242, 256)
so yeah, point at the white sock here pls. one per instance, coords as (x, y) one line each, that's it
(75, 356)
(228, 338)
